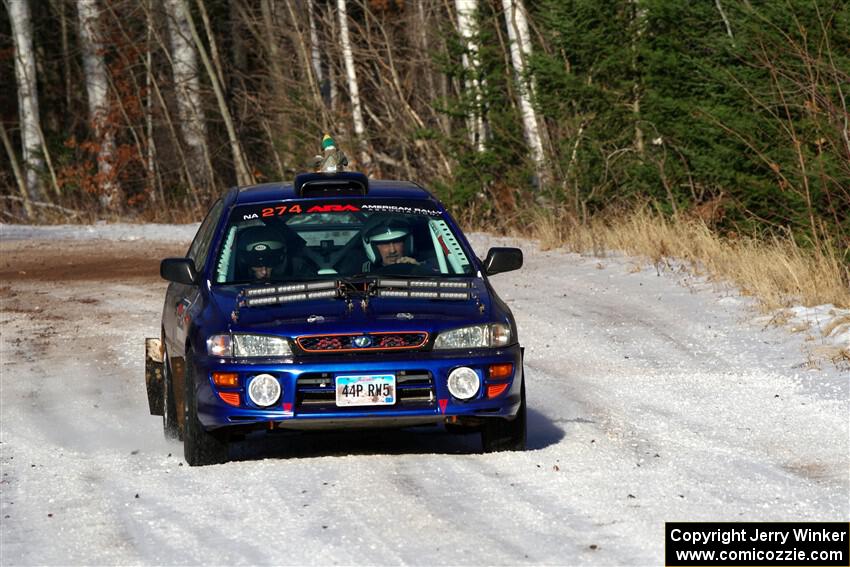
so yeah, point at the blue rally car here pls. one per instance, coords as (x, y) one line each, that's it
(334, 302)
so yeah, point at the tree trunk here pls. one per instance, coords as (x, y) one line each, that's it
(466, 28)
(154, 181)
(316, 55)
(66, 68)
(353, 89)
(520, 47)
(424, 48)
(19, 16)
(280, 133)
(306, 62)
(16, 171)
(243, 175)
(97, 91)
(270, 28)
(725, 19)
(639, 16)
(187, 86)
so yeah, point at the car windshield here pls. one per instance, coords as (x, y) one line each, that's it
(293, 241)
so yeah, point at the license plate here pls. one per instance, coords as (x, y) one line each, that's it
(365, 390)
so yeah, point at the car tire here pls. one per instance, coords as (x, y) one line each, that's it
(200, 447)
(170, 426)
(499, 434)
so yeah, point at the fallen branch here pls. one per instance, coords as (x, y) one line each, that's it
(71, 212)
(11, 216)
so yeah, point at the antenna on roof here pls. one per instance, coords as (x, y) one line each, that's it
(333, 159)
(331, 178)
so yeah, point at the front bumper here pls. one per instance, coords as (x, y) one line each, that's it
(307, 399)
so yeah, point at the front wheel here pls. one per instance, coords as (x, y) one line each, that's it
(499, 434)
(200, 447)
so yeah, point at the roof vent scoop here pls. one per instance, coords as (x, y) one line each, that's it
(331, 184)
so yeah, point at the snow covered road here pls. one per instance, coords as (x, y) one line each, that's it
(651, 399)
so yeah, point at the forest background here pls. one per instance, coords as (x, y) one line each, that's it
(694, 127)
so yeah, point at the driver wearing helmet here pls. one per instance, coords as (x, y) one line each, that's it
(261, 253)
(388, 242)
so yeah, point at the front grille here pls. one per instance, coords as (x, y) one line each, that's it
(314, 392)
(360, 342)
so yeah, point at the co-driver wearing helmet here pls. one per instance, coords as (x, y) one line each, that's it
(262, 251)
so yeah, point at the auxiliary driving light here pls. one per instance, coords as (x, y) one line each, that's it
(463, 383)
(264, 390)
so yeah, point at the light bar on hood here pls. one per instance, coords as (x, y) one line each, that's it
(257, 301)
(423, 289)
(416, 294)
(424, 284)
(288, 288)
(273, 295)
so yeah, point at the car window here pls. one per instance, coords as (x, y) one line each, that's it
(201, 244)
(310, 241)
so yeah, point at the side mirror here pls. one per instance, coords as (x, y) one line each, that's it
(180, 270)
(502, 260)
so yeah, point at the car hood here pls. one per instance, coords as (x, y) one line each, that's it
(326, 316)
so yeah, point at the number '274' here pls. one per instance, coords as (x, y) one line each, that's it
(279, 210)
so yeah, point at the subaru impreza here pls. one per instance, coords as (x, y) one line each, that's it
(334, 302)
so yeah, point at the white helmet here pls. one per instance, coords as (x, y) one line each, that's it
(260, 246)
(386, 230)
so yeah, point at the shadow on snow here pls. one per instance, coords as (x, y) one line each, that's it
(542, 433)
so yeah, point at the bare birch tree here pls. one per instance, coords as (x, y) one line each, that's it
(215, 74)
(639, 18)
(97, 91)
(19, 15)
(187, 88)
(520, 46)
(316, 54)
(16, 172)
(466, 10)
(353, 88)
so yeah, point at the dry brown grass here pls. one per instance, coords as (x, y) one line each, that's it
(843, 321)
(777, 271)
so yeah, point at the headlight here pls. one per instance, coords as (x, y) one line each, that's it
(264, 390)
(476, 336)
(247, 345)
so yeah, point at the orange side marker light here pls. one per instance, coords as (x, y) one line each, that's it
(501, 371)
(226, 379)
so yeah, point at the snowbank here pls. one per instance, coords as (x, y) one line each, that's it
(100, 230)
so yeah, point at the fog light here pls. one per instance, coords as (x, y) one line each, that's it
(264, 390)
(463, 383)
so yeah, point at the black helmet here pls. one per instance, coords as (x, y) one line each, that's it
(260, 246)
(385, 230)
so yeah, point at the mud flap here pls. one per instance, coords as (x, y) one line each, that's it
(153, 374)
